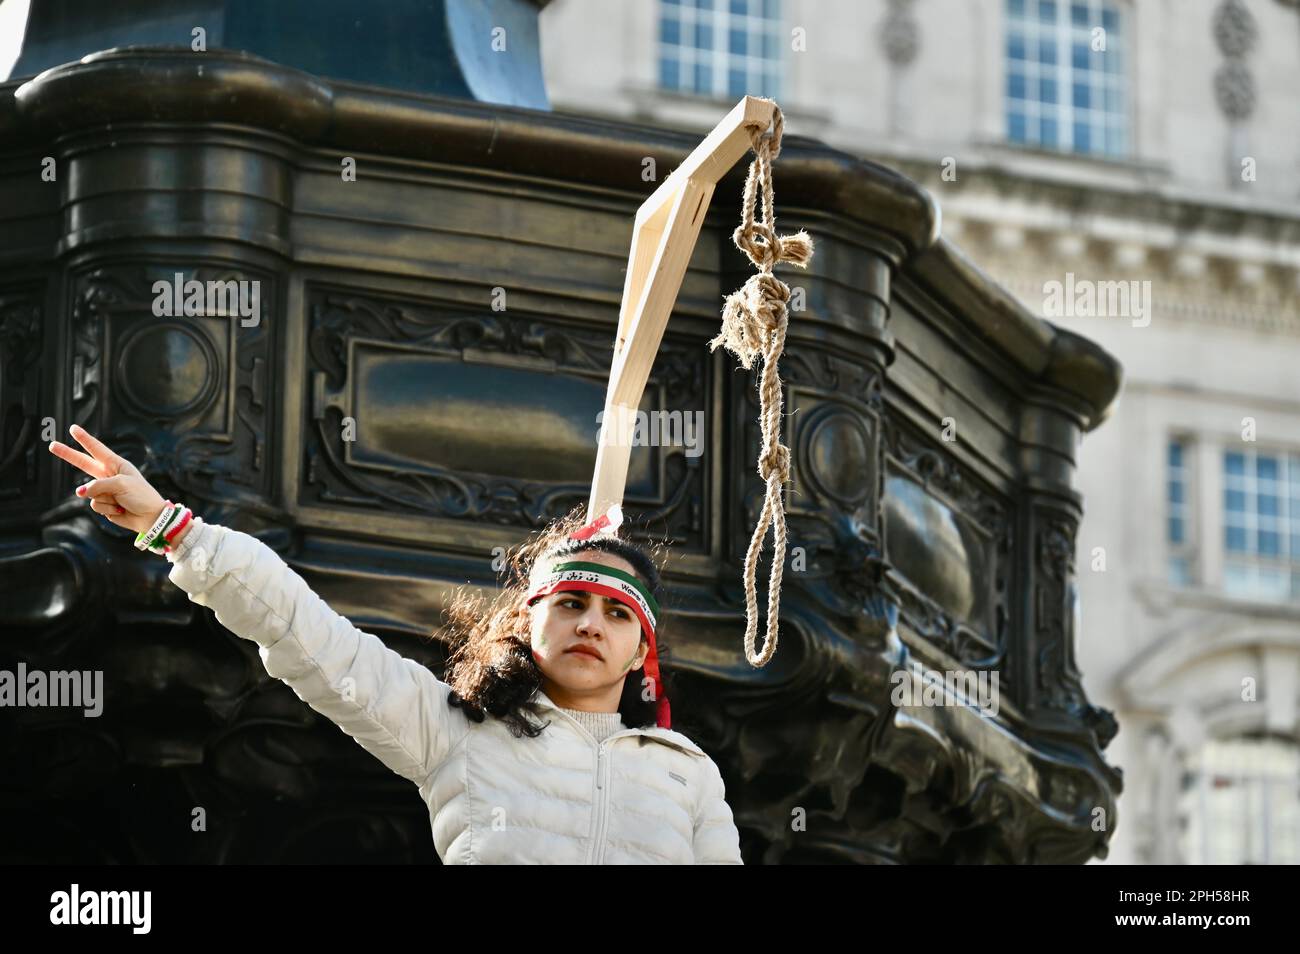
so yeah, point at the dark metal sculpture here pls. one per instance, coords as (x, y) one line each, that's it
(471, 426)
(485, 50)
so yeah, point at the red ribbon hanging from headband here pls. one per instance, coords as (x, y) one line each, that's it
(606, 525)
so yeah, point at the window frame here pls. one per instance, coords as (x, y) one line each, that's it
(1110, 85)
(1204, 829)
(1286, 521)
(761, 74)
(1189, 548)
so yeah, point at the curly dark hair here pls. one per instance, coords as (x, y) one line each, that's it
(490, 666)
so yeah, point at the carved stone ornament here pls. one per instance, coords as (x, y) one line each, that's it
(1234, 88)
(900, 35)
(1235, 30)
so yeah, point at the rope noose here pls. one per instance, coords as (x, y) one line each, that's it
(753, 324)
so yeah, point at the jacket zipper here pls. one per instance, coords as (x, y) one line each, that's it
(602, 790)
(602, 785)
(600, 794)
(602, 812)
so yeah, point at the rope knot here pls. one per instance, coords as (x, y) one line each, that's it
(759, 242)
(750, 316)
(764, 143)
(775, 462)
(796, 249)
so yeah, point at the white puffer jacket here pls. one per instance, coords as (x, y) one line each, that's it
(640, 796)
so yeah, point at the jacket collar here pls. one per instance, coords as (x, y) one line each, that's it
(666, 736)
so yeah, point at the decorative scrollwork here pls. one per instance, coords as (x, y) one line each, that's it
(450, 334)
(980, 643)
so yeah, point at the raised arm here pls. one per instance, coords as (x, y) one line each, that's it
(393, 706)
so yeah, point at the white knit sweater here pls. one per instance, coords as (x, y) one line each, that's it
(600, 724)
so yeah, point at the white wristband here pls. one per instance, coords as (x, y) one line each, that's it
(142, 542)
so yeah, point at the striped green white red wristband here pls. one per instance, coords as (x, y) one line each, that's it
(145, 538)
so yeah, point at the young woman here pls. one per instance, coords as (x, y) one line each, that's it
(572, 640)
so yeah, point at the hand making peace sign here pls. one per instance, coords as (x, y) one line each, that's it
(118, 492)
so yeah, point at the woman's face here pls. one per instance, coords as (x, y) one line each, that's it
(565, 621)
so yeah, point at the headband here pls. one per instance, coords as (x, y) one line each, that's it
(583, 576)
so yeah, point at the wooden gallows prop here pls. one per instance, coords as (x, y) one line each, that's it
(664, 234)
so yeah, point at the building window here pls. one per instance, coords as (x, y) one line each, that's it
(1063, 90)
(1261, 523)
(720, 48)
(1240, 803)
(1178, 521)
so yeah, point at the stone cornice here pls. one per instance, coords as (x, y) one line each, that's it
(1192, 287)
(1129, 192)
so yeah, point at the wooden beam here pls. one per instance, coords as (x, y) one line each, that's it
(716, 154)
(664, 234)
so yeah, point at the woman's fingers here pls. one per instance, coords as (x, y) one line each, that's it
(118, 490)
(100, 462)
(104, 485)
(83, 462)
(98, 449)
(115, 514)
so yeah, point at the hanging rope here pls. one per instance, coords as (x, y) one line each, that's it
(753, 324)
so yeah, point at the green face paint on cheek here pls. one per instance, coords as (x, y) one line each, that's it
(629, 663)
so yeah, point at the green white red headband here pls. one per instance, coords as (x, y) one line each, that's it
(597, 578)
